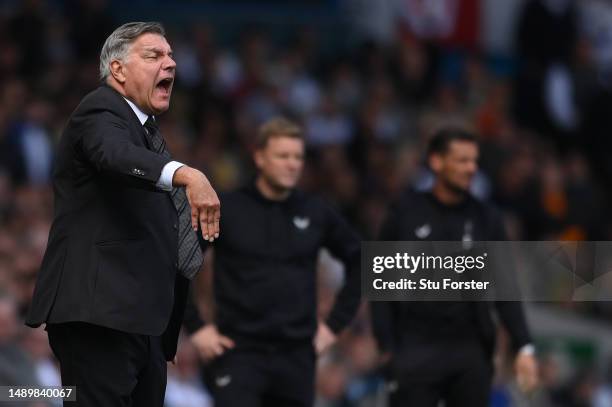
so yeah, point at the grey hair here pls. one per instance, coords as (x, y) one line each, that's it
(117, 44)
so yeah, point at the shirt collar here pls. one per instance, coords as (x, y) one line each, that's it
(251, 188)
(139, 113)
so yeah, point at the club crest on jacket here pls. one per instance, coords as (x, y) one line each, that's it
(301, 223)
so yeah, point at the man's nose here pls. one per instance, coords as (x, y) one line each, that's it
(294, 165)
(473, 166)
(169, 63)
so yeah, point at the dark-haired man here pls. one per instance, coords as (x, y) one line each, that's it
(262, 344)
(443, 350)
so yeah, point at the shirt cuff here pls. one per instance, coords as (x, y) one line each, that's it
(528, 349)
(165, 179)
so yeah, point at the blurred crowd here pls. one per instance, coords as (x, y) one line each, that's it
(367, 108)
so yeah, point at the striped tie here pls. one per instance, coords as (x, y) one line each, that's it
(189, 253)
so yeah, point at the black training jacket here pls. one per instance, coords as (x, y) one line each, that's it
(265, 266)
(420, 216)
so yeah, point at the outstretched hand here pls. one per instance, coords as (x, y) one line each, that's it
(203, 200)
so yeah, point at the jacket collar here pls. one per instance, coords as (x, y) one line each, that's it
(142, 116)
(129, 110)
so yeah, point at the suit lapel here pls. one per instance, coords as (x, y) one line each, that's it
(129, 114)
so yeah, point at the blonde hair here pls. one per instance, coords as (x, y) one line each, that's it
(277, 127)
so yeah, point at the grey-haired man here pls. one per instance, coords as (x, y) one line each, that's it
(122, 247)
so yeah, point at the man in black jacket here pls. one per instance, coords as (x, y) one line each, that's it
(443, 350)
(262, 344)
(114, 278)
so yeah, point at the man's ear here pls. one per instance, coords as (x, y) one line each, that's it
(435, 162)
(117, 71)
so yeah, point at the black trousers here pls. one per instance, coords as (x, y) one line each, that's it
(109, 367)
(254, 377)
(458, 374)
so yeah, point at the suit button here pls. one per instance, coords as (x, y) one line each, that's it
(176, 264)
(175, 226)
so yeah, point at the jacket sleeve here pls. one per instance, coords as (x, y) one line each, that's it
(344, 244)
(510, 313)
(512, 316)
(105, 142)
(384, 324)
(384, 314)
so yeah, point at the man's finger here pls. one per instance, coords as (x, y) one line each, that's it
(194, 218)
(218, 349)
(217, 218)
(211, 352)
(226, 342)
(204, 224)
(317, 343)
(211, 223)
(318, 348)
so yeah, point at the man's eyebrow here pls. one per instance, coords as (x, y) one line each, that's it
(156, 50)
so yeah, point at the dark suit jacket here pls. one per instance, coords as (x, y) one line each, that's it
(112, 250)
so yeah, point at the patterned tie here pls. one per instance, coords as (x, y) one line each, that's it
(190, 256)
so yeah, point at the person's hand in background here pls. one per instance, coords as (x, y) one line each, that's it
(526, 369)
(210, 343)
(324, 338)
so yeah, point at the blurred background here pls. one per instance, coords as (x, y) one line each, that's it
(369, 80)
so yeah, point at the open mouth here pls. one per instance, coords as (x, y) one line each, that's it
(165, 85)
